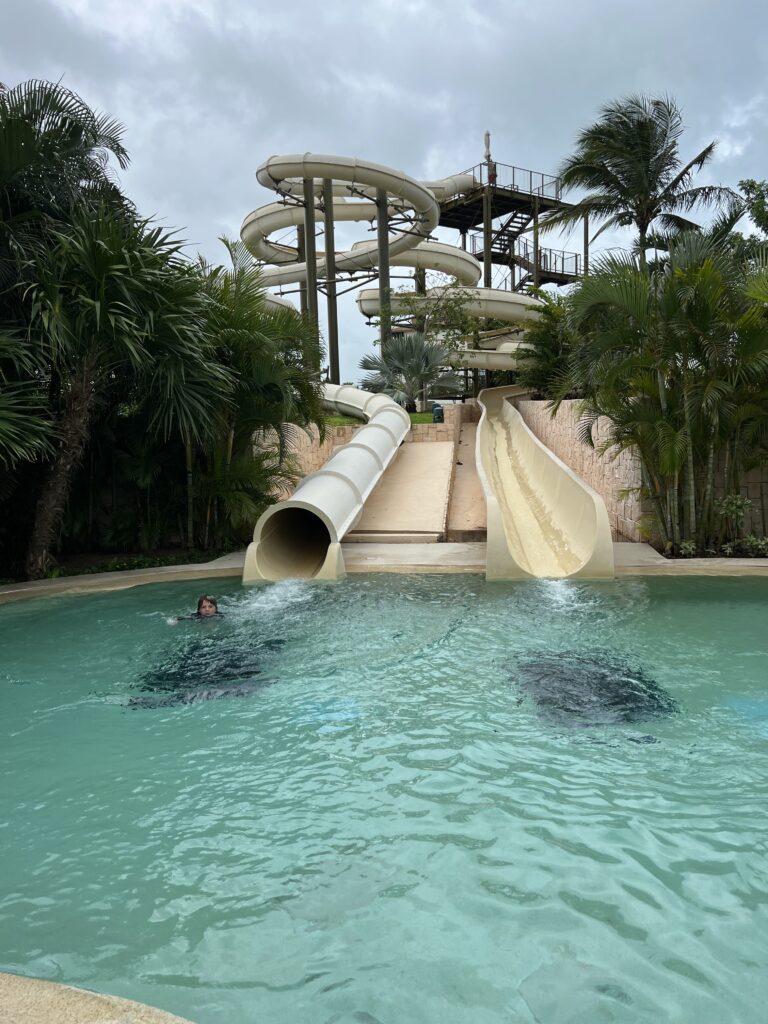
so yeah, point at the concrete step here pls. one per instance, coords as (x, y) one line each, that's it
(392, 537)
(458, 536)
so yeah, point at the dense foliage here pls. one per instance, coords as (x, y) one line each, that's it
(672, 351)
(145, 397)
(409, 368)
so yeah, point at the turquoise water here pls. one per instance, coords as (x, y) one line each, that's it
(391, 831)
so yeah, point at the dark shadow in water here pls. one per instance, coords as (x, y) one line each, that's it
(206, 668)
(579, 690)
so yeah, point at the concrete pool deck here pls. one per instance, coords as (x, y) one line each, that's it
(630, 560)
(31, 1001)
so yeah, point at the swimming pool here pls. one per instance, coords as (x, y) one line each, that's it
(391, 826)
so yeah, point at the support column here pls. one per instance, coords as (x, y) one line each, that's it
(302, 251)
(487, 230)
(330, 283)
(310, 250)
(420, 288)
(382, 228)
(536, 242)
(464, 239)
(586, 244)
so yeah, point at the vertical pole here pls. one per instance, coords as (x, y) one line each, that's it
(512, 264)
(536, 242)
(464, 239)
(310, 249)
(382, 228)
(586, 244)
(302, 253)
(330, 283)
(420, 288)
(420, 321)
(487, 221)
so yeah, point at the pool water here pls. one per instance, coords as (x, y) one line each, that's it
(390, 826)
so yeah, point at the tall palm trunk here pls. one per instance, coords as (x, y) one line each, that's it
(52, 502)
(190, 498)
(690, 476)
(705, 519)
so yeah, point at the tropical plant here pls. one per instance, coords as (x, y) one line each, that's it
(54, 154)
(274, 356)
(548, 341)
(629, 162)
(676, 357)
(113, 293)
(408, 367)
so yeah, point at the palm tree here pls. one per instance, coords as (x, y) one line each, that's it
(629, 161)
(54, 154)
(676, 357)
(408, 366)
(114, 295)
(24, 426)
(548, 341)
(275, 358)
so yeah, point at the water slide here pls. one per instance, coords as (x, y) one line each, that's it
(301, 536)
(542, 519)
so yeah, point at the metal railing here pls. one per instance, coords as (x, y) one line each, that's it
(553, 261)
(556, 261)
(518, 178)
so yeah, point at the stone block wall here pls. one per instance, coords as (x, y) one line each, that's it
(611, 475)
(754, 485)
(608, 474)
(310, 454)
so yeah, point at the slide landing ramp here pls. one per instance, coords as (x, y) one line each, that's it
(410, 502)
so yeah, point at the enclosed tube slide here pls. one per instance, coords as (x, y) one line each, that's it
(301, 536)
(543, 520)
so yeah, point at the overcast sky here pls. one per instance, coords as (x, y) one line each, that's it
(207, 89)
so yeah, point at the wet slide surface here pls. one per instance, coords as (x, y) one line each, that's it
(543, 520)
(528, 522)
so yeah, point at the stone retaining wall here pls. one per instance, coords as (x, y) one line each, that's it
(754, 485)
(608, 474)
(310, 454)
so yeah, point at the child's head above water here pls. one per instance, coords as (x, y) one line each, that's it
(207, 606)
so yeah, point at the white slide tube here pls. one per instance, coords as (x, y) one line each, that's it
(543, 520)
(301, 536)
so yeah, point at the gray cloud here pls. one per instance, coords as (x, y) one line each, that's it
(207, 89)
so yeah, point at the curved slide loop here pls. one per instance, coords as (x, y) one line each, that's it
(301, 536)
(543, 520)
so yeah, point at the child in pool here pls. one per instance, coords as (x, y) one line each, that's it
(207, 608)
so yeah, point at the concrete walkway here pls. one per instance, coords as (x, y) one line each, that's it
(630, 560)
(404, 558)
(30, 1001)
(467, 513)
